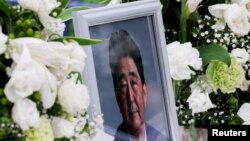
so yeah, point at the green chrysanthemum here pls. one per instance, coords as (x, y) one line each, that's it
(225, 78)
(43, 133)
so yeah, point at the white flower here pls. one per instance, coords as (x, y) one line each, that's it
(73, 59)
(25, 114)
(73, 96)
(51, 25)
(243, 3)
(241, 55)
(199, 101)
(244, 85)
(36, 60)
(25, 79)
(3, 39)
(237, 19)
(48, 89)
(62, 128)
(202, 84)
(114, 2)
(40, 6)
(193, 4)
(218, 10)
(219, 25)
(234, 15)
(61, 59)
(181, 57)
(244, 113)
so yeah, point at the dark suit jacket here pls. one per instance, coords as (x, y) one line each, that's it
(151, 133)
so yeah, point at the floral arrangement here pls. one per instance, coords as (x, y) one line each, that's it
(208, 54)
(42, 97)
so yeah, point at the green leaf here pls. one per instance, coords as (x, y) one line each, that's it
(4, 6)
(81, 41)
(97, 1)
(214, 52)
(59, 10)
(66, 14)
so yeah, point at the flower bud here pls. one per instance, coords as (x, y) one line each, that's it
(4, 101)
(29, 32)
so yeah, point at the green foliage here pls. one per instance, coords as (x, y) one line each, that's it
(104, 2)
(4, 7)
(61, 8)
(67, 13)
(214, 52)
(81, 41)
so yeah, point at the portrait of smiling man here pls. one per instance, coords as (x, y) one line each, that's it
(130, 89)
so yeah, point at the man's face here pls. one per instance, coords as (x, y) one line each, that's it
(131, 94)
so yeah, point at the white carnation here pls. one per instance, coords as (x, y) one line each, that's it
(199, 101)
(25, 79)
(34, 61)
(181, 57)
(25, 114)
(62, 128)
(241, 55)
(73, 96)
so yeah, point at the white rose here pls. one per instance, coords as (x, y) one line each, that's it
(193, 4)
(241, 55)
(73, 96)
(199, 101)
(181, 57)
(25, 114)
(244, 113)
(62, 128)
(24, 80)
(237, 19)
(45, 6)
(3, 39)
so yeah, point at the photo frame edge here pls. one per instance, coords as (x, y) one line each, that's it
(91, 17)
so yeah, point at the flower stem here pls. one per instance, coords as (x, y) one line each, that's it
(183, 21)
(175, 88)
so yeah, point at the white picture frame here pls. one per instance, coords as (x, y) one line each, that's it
(144, 16)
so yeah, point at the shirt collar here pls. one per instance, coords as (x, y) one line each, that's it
(145, 135)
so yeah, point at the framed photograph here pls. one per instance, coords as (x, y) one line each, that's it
(127, 74)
